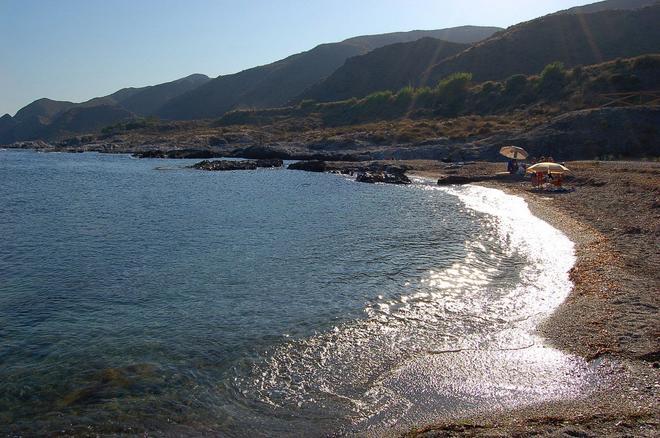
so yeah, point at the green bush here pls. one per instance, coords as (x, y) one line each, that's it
(404, 96)
(376, 99)
(424, 97)
(452, 92)
(553, 78)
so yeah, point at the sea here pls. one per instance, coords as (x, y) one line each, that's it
(144, 296)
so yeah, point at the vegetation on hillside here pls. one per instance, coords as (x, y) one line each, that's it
(455, 95)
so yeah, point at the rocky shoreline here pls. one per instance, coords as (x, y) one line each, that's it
(570, 135)
(227, 165)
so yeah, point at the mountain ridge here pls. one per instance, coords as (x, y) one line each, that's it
(387, 68)
(568, 38)
(275, 84)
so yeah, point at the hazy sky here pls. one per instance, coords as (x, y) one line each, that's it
(78, 49)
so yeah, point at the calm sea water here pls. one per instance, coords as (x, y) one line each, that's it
(137, 295)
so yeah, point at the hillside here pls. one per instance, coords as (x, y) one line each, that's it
(388, 68)
(147, 100)
(46, 118)
(609, 5)
(459, 35)
(276, 84)
(43, 109)
(572, 39)
(265, 86)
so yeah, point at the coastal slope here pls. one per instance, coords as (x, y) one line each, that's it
(573, 39)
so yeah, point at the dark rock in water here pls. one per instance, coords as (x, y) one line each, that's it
(272, 162)
(309, 166)
(382, 177)
(222, 165)
(455, 179)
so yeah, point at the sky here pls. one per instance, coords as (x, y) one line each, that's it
(78, 49)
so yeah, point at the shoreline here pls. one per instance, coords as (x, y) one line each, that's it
(610, 315)
(627, 403)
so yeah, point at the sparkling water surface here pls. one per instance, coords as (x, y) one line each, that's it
(138, 295)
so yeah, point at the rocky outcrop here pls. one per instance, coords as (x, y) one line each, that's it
(446, 180)
(374, 172)
(309, 166)
(592, 133)
(382, 177)
(226, 165)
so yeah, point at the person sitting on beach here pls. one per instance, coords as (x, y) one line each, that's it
(540, 178)
(557, 181)
(535, 180)
(512, 167)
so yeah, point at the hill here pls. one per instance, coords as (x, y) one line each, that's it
(609, 5)
(276, 84)
(43, 109)
(46, 118)
(459, 35)
(85, 119)
(145, 101)
(570, 38)
(388, 68)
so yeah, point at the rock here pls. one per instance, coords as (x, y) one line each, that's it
(272, 162)
(382, 177)
(309, 166)
(226, 165)
(456, 179)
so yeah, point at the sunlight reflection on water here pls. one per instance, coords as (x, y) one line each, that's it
(461, 341)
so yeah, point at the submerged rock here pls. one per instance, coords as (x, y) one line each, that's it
(222, 165)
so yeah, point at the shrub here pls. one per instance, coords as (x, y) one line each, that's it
(377, 99)
(454, 84)
(553, 78)
(424, 97)
(404, 96)
(452, 92)
(490, 87)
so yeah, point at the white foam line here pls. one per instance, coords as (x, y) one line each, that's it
(550, 252)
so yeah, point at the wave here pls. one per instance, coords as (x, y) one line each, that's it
(457, 340)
